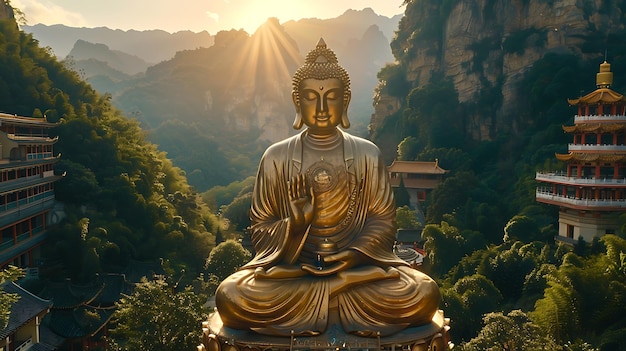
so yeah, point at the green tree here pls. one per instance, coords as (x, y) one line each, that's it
(226, 258)
(408, 148)
(445, 245)
(406, 218)
(521, 228)
(514, 331)
(238, 211)
(11, 273)
(508, 269)
(156, 318)
(433, 107)
(586, 297)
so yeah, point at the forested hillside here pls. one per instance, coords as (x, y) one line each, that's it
(482, 86)
(123, 198)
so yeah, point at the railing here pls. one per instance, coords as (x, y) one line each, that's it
(39, 156)
(595, 147)
(597, 203)
(563, 178)
(24, 202)
(23, 237)
(24, 137)
(596, 118)
(24, 345)
(7, 244)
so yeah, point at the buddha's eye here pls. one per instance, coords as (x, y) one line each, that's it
(309, 95)
(333, 94)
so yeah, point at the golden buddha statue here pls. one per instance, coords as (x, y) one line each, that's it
(323, 227)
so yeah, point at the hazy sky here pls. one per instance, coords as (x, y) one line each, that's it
(195, 15)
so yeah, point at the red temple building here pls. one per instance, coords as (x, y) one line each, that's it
(419, 178)
(591, 193)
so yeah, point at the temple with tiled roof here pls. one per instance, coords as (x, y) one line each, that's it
(80, 313)
(419, 178)
(591, 192)
(22, 330)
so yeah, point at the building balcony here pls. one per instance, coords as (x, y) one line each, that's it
(10, 249)
(27, 182)
(601, 118)
(32, 160)
(596, 148)
(562, 178)
(34, 139)
(16, 210)
(415, 183)
(548, 197)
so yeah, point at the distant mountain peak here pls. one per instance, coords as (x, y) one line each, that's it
(364, 11)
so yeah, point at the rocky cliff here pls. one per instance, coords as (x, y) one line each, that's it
(486, 46)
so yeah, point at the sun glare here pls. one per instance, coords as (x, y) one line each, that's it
(255, 13)
(268, 60)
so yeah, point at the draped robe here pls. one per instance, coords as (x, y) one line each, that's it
(303, 304)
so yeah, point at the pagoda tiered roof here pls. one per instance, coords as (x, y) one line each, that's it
(595, 128)
(79, 322)
(588, 157)
(599, 96)
(29, 139)
(66, 295)
(15, 119)
(81, 311)
(604, 94)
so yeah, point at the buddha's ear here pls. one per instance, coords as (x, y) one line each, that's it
(345, 122)
(297, 123)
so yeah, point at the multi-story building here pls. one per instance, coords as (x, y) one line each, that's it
(26, 187)
(591, 192)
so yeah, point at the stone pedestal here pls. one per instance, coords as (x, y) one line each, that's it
(430, 337)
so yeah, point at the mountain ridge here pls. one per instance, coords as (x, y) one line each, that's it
(153, 45)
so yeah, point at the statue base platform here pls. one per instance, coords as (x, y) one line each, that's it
(430, 337)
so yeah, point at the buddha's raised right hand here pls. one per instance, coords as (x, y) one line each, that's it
(301, 201)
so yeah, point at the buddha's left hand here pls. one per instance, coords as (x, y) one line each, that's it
(338, 262)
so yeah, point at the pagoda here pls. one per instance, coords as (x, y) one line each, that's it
(591, 193)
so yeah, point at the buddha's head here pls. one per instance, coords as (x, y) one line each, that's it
(321, 91)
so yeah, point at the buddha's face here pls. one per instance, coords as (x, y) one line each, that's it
(321, 104)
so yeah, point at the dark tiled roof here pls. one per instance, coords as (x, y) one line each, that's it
(113, 286)
(68, 295)
(41, 347)
(26, 308)
(80, 322)
(48, 337)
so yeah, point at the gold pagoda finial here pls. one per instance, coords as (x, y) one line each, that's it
(604, 78)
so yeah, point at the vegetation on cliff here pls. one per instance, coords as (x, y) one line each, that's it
(124, 200)
(489, 243)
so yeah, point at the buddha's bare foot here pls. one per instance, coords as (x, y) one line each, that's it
(278, 272)
(362, 275)
(392, 272)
